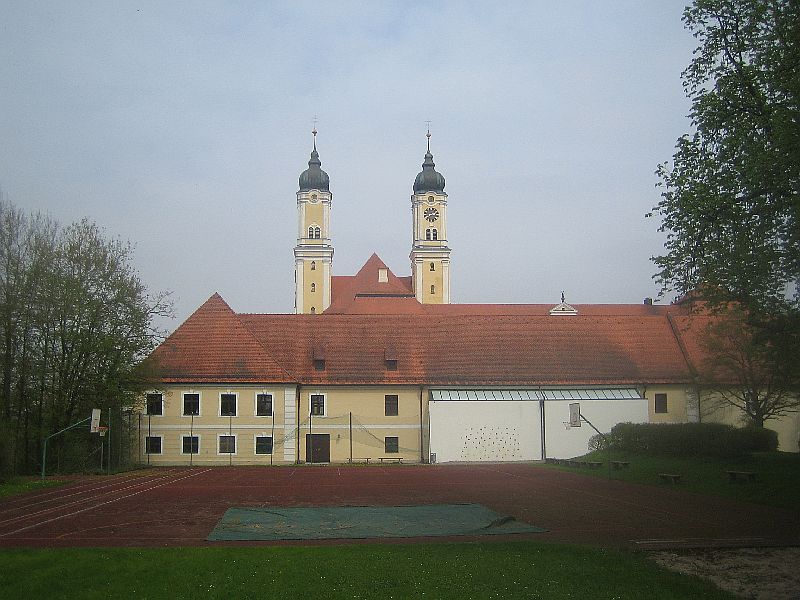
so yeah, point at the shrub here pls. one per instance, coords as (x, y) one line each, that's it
(692, 439)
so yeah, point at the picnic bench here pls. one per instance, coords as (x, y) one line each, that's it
(392, 459)
(741, 476)
(364, 460)
(619, 464)
(669, 477)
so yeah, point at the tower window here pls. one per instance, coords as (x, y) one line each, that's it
(314, 232)
(313, 287)
(313, 265)
(313, 310)
(433, 289)
(433, 267)
(431, 234)
(427, 234)
(435, 233)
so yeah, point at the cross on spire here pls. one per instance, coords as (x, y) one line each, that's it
(428, 135)
(314, 132)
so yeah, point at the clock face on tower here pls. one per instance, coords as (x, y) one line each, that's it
(431, 214)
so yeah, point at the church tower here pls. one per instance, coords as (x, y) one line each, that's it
(430, 255)
(313, 254)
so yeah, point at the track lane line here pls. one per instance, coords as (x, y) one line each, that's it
(83, 510)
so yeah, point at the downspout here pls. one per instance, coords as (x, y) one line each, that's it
(297, 426)
(421, 439)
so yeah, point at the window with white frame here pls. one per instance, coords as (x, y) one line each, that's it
(227, 444)
(191, 404)
(263, 405)
(227, 405)
(263, 444)
(190, 444)
(155, 404)
(152, 444)
(317, 405)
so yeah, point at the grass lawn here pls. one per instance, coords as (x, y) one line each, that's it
(460, 571)
(776, 482)
(20, 485)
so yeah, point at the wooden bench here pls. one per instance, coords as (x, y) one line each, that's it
(741, 476)
(393, 459)
(619, 464)
(364, 460)
(669, 477)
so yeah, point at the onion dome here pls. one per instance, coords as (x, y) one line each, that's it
(314, 178)
(429, 180)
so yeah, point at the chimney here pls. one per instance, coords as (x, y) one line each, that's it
(648, 302)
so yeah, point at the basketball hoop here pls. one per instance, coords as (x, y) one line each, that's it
(102, 430)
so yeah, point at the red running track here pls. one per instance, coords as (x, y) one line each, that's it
(180, 506)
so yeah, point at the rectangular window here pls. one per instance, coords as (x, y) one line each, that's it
(263, 444)
(155, 404)
(661, 403)
(227, 444)
(318, 405)
(152, 444)
(227, 405)
(391, 445)
(190, 444)
(264, 405)
(191, 404)
(390, 405)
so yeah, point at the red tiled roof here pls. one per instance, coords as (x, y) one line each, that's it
(212, 345)
(463, 348)
(365, 284)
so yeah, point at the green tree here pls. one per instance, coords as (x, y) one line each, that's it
(740, 370)
(731, 196)
(75, 322)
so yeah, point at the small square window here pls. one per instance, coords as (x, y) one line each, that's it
(660, 403)
(227, 405)
(391, 445)
(263, 444)
(227, 444)
(190, 444)
(191, 404)
(264, 405)
(390, 405)
(155, 404)
(152, 444)
(318, 405)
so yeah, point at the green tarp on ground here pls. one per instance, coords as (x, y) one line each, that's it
(343, 522)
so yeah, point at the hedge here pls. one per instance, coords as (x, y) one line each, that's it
(691, 439)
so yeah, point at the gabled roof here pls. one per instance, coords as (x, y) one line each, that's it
(212, 345)
(367, 283)
(493, 349)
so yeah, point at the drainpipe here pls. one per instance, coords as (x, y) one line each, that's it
(421, 440)
(297, 425)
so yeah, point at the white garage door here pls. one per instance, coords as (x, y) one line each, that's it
(497, 430)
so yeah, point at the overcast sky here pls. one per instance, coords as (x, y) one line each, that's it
(183, 128)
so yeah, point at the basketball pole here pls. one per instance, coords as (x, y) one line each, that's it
(603, 437)
(44, 449)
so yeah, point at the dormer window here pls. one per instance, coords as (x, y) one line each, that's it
(390, 358)
(319, 358)
(383, 275)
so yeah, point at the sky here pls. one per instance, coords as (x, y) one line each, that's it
(183, 127)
